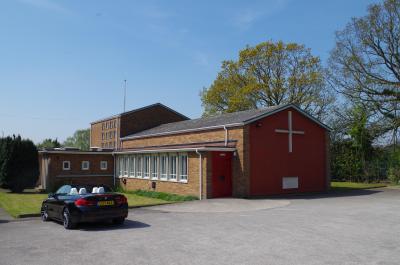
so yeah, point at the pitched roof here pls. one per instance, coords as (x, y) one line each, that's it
(139, 109)
(225, 120)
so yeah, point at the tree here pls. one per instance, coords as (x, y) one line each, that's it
(80, 139)
(365, 63)
(266, 75)
(19, 165)
(48, 143)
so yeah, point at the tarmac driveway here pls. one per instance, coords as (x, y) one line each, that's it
(360, 227)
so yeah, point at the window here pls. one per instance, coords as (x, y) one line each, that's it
(106, 125)
(139, 166)
(103, 165)
(163, 166)
(114, 124)
(85, 165)
(102, 126)
(154, 167)
(66, 165)
(183, 169)
(65, 189)
(132, 166)
(147, 167)
(126, 165)
(172, 166)
(102, 136)
(120, 166)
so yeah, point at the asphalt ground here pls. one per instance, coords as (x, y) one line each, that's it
(356, 227)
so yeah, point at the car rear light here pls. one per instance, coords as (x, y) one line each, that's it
(121, 199)
(84, 202)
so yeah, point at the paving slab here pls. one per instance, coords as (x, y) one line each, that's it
(4, 216)
(225, 205)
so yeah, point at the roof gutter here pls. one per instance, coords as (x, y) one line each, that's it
(226, 149)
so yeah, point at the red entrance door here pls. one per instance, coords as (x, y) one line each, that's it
(221, 174)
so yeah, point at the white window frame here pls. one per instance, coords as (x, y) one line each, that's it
(83, 165)
(69, 165)
(139, 166)
(132, 166)
(146, 166)
(155, 164)
(173, 158)
(183, 176)
(164, 176)
(103, 165)
(125, 167)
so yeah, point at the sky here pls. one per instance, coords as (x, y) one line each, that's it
(62, 63)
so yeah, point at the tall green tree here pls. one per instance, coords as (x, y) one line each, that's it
(270, 73)
(80, 139)
(365, 63)
(49, 143)
(19, 165)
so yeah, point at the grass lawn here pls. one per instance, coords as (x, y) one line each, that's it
(17, 204)
(21, 203)
(354, 185)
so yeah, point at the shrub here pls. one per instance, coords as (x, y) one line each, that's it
(19, 166)
(394, 175)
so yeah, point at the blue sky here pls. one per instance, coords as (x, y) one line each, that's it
(62, 63)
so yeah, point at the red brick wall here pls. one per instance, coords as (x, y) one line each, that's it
(57, 176)
(147, 118)
(270, 159)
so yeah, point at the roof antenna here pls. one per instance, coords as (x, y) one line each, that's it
(124, 94)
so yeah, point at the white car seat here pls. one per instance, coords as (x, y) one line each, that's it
(95, 190)
(82, 191)
(100, 190)
(73, 191)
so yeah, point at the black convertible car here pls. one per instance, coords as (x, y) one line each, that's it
(77, 204)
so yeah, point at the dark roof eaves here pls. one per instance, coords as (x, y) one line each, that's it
(283, 107)
(139, 109)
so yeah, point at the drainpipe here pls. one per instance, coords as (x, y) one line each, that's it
(200, 174)
(114, 170)
(226, 136)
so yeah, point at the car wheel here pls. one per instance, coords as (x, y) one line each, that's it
(67, 222)
(118, 221)
(44, 215)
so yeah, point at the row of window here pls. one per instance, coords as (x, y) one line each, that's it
(108, 145)
(108, 125)
(164, 166)
(108, 135)
(85, 165)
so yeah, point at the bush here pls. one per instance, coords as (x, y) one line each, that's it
(394, 175)
(19, 166)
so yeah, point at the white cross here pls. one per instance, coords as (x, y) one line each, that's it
(290, 131)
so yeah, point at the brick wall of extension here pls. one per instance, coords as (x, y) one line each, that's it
(240, 162)
(52, 174)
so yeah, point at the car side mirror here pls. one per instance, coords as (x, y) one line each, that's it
(51, 195)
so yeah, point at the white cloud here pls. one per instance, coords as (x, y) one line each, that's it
(201, 58)
(47, 4)
(245, 18)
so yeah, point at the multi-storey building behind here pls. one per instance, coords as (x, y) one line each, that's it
(106, 133)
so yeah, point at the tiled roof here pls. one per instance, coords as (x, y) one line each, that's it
(233, 118)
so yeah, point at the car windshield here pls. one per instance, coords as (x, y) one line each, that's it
(66, 189)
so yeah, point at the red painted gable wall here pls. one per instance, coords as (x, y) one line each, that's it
(270, 159)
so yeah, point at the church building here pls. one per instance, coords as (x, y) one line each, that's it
(270, 151)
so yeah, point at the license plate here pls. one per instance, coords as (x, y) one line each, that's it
(105, 203)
